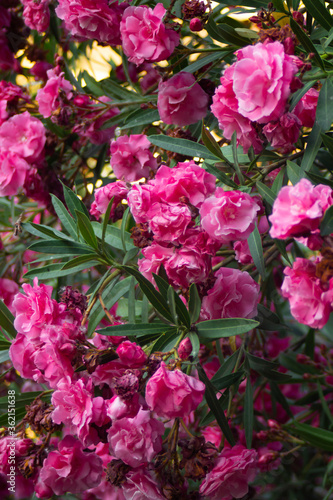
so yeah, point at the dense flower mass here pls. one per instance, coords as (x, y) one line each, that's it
(166, 250)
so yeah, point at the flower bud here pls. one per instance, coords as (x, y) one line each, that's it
(185, 348)
(196, 24)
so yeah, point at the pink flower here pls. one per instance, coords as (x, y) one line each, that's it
(131, 354)
(225, 108)
(306, 108)
(181, 101)
(229, 215)
(131, 158)
(69, 470)
(75, 407)
(13, 170)
(24, 135)
(261, 81)
(34, 309)
(36, 14)
(186, 181)
(172, 394)
(186, 266)
(284, 133)
(8, 290)
(298, 209)
(116, 190)
(185, 348)
(234, 295)
(234, 469)
(136, 440)
(48, 96)
(140, 198)
(140, 485)
(242, 252)
(9, 93)
(308, 303)
(144, 36)
(153, 257)
(22, 352)
(169, 222)
(92, 19)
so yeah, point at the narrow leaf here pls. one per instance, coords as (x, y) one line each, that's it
(248, 418)
(86, 229)
(326, 226)
(228, 327)
(319, 438)
(255, 246)
(66, 220)
(306, 42)
(181, 146)
(195, 343)
(135, 329)
(194, 303)
(266, 193)
(320, 13)
(73, 202)
(7, 320)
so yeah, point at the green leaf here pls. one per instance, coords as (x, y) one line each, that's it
(225, 34)
(106, 220)
(74, 203)
(144, 310)
(266, 193)
(306, 42)
(166, 341)
(133, 252)
(172, 304)
(86, 229)
(66, 220)
(123, 227)
(155, 298)
(213, 404)
(227, 380)
(278, 181)
(248, 417)
(181, 146)
(53, 271)
(228, 327)
(289, 361)
(255, 246)
(279, 5)
(234, 153)
(181, 310)
(313, 145)
(195, 343)
(60, 247)
(45, 232)
(7, 320)
(21, 400)
(227, 367)
(324, 113)
(319, 12)
(135, 329)
(319, 438)
(107, 87)
(113, 236)
(194, 303)
(4, 356)
(211, 143)
(221, 176)
(90, 260)
(318, 179)
(110, 295)
(141, 117)
(131, 302)
(281, 246)
(328, 142)
(293, 171)
(326, 226)
(279, 397)
(258, 364)
(268, 319)
(202, 61)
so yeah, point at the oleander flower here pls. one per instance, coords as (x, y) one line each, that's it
(298, 209)
(48, 96)
(234, 295)
(283, 133)
(181, 101)
(234, 470)
(172, 394)
(131, 158)
(36, 14)
(144, 36)
(13, 171)
(306, 108)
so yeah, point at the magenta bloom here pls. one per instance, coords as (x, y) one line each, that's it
(306, 108)
(48, 96)
(261, 81)
(234, 295)
(24, 135)
(186, 266)
(140, 198)
(69, 469)
(36, 14)
(13, 170)
(181, 101)
(103, 195)
(229, 215)
(8, 290)
(186, 181)
(136, 440)
(225, 108)
(284, 133)
(309, 304)
(131, 354)
(173, 394)
(144, 36)
(131, 158)
(140, 485)
(34, 309)
(153, 256)
(298, 209)
(169, 222)
(233, 471)
(92, 19)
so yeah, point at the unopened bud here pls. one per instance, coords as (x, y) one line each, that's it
(196, 24)
(185, 348)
